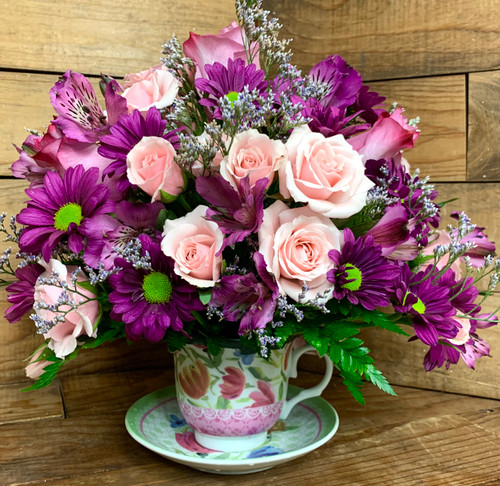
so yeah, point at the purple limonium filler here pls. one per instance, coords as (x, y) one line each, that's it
(63, 210)
(361, 273)
(151, 300)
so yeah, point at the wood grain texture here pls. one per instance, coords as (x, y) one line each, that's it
(95, 36)
(483, 154)
(17, 406)
(440, 103)
(386, 39)
(417, 438)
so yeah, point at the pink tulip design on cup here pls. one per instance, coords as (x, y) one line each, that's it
(233, 399)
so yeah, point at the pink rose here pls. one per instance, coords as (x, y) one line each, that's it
(295, 245)
(151, 166)
(389, 135)
(252, 154)
(192, 242)
(207, 49)
(155, 87)
(81, 320)
(324, 172)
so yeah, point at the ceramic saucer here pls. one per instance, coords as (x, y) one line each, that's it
(156, 422)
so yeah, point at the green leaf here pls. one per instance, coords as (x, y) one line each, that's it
(215, 345)
(205, 295)
(379, 380)
(87, 286)
(353, 383)
(175, 340)
(50, 372)
(379, 319)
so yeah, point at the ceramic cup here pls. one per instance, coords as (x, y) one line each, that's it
(231, 400)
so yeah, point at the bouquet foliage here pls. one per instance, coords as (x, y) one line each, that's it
(225, 195)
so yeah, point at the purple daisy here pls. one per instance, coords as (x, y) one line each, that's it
(21, 293)
(238, 213)
(361, 273)
(229, 81)
(151, 301)
(63, 210)
(125, 135)
(425, 298)
(246, 299)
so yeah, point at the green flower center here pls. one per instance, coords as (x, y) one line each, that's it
(157, 288)
(69, 213)
(418, 306)
(232, 96)
(353, 273)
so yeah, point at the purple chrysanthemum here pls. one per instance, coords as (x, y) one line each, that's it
(361, 273)
(239, 212)
(247, 298)
(151, 301)
(63, 209)
(21, 292)
(425, 298)
(343, 81)
(229, 81)
(125, 135)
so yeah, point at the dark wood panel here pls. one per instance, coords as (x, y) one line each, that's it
(387, 39)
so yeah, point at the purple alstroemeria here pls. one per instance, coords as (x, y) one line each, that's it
(229, 81)
(21, 292)
(125, 135)
(361, 273)
(248, 299)
(366, 105)
(331, 120)
(238, 212)
(63, 210)
(80, 114)
(343, 81)
(392, 234)
(151, 301)
(132, 220)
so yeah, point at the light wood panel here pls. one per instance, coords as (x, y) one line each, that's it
(440, 102)
(483, 155)
(94, 36)
(387, 39)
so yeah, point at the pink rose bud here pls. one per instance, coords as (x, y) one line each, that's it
(151, 166)
(155, 87)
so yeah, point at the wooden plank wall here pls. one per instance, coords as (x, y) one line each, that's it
(440, 61)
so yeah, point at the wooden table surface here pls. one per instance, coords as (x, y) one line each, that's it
(73, 433)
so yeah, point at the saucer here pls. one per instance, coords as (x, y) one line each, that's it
(156, 422)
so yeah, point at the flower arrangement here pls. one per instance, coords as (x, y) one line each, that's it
(225, 195)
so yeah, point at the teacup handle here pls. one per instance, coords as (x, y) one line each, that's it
(310, 392)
